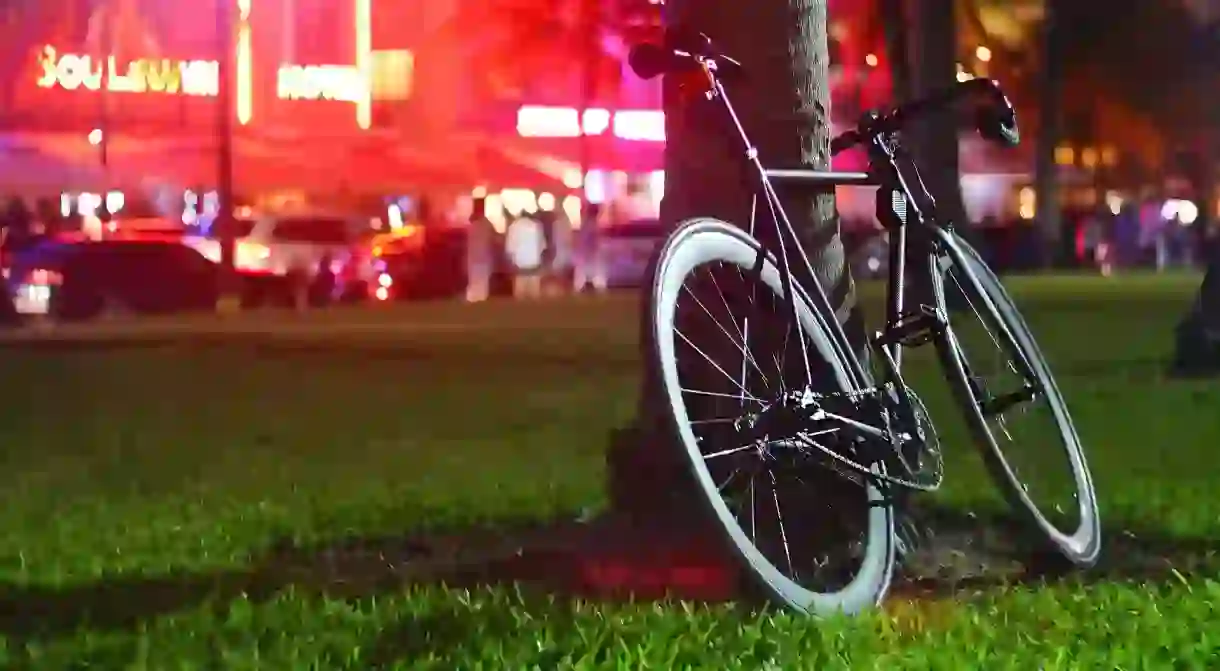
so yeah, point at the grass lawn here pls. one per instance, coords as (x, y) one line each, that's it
(144, 488)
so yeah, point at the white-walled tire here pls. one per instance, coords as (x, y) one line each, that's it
(1078, 539)
(701, 243)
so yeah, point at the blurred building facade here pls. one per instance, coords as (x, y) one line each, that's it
(515, 71)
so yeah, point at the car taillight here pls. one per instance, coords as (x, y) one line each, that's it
(33, 296)
(44, 278)
(251, 255)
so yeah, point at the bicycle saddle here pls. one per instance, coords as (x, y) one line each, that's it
(681, 49)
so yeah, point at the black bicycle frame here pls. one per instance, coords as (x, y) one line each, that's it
(885, 173)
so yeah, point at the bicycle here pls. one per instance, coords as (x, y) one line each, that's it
(858, 425)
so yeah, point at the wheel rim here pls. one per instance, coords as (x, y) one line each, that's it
(690, 251)
(1056, 488)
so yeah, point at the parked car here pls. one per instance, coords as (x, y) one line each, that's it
(75, 279)
(429, 262)
(627, 248)
(277, 254)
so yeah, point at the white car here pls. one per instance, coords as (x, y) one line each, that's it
(283, 243)
(626, 250)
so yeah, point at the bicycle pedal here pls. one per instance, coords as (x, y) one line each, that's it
(913, 328)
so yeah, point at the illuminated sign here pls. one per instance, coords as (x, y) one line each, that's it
(321, 82)
(160, 75)
(539, 121)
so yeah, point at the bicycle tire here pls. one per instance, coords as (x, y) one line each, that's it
(1081, 547)
(701, 241)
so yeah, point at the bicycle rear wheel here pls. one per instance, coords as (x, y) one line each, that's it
(1072, 527)
(738, 325)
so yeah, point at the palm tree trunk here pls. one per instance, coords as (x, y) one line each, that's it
(590, 31)
(785, 107)
(1050, 128)
(935, 137)
(224, 130)
(103, 96)
(897, 47)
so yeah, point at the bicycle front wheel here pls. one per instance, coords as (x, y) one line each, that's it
(728, 345)
(1040, 466)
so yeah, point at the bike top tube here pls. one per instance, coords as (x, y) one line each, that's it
(820, 178)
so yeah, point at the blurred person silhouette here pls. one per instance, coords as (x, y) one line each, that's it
(1151, 241)
(480, 257)
(48, 215)
(558, 245)
(18, 224)
(590, 265)
(423, 211)
(525, 247)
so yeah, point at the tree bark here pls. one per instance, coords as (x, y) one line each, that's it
(589, 30)
(934, 137)
(1050, 128)
(225, 10)
(785, 108)
(897, 47)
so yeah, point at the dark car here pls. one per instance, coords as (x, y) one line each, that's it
(74, 280)
(432, 264)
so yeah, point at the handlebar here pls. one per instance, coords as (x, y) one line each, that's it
(996, 120)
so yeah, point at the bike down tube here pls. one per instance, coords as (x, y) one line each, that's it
(840, 338)
(899, 240)
(896, 296)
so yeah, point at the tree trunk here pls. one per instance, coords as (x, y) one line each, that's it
(1050, 128)
(785, 107)
(897, 47)
(590, 30)
(224, 135)
(934, 138)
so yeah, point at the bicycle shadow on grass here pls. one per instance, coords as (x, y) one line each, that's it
(453, 626)
(549, 564)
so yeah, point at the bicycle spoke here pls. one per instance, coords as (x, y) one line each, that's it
(715, 420)
(744, 333)
(715, 394)
(734, 450)
(745, 353)
(779, 518)
(715, 365)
